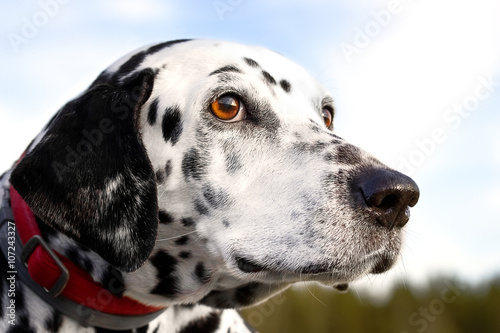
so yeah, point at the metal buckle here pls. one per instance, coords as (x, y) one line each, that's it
(63, 279)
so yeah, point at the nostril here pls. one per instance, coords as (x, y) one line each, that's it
(382, 201)
(387, 196)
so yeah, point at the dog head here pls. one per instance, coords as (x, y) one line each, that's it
(224, 149)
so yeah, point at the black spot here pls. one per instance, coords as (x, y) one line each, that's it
(168, 169)
(168, 282)
(208, 324)
(336, 141)
(185, 254)
(161, 46)
(164, 217)
(345, 154)
(54, 322)
(215, 198)
(315, 128)
(246, 295)
(160, 176)
(285, 85)
(130, 65)
(143, 329)
(193, 165)
(269, 78)
(134, 62)
(22, 325)
(182, 240)
(226, 223)
(336, 137)
(157, 329)
(105, 330)
(330, 157)
(113, 281)
(202, 273)
(226, 69)
(200, 207)
(153, 112)
(219, 299)
(188, 221)
(172, 125)
(74, 254)
(318, 146)
(266, 121)
(251, 62)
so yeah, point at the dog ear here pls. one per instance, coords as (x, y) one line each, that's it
(90, 177)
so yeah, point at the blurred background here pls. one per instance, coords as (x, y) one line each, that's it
(416, 83)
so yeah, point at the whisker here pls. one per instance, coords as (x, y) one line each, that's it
(178, 236)
(316, 298)
(357, 294)
(162, 193)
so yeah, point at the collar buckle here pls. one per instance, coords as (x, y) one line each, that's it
(28, 250)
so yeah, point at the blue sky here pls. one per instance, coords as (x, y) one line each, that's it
(416, 83)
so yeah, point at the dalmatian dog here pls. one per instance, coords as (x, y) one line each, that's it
(195, 178)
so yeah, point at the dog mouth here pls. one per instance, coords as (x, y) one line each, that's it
(307, 273)
(325, 274)
(248, 266)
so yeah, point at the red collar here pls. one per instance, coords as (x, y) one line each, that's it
(44, 267)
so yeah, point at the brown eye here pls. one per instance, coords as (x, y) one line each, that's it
(327, 116)
(228, 108)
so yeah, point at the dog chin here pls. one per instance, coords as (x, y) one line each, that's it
(336, 277)
(339, 276)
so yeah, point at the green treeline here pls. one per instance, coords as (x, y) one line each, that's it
(444, 306)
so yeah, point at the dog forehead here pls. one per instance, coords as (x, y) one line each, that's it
(189, 70)
(202, 57)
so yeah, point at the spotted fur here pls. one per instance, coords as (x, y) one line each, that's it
(139, 183)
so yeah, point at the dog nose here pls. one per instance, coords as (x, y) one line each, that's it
(387, 196)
